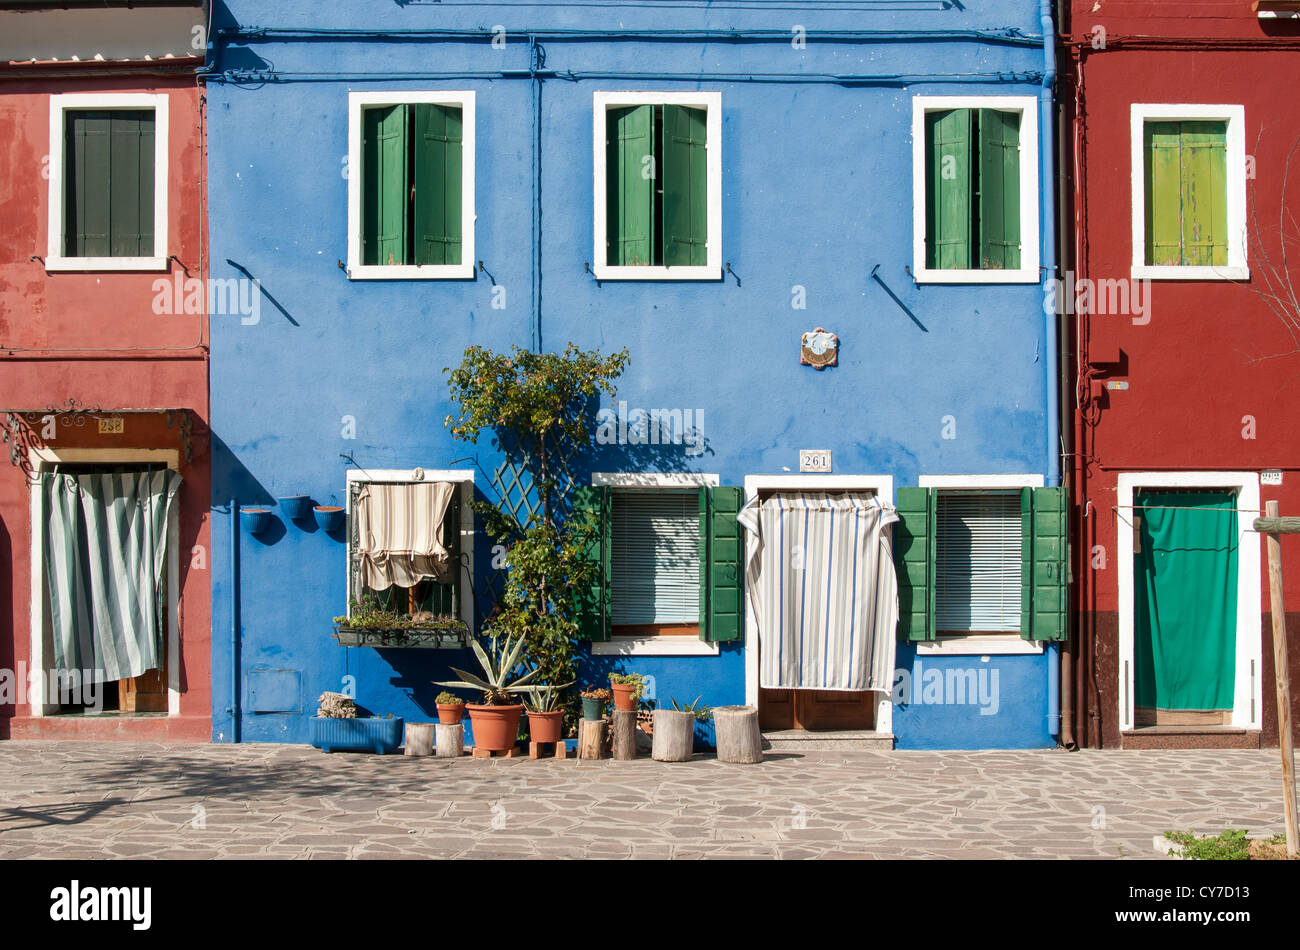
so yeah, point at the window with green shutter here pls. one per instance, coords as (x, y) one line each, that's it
(1185, 168)
(972, 189)
(981, 562)
(656, 186)
(108, 205)
(412, 168)
(664, 562)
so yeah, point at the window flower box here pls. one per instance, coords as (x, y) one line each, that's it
(381, 736)
(439, 637)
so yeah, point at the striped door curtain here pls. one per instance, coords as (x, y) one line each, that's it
(400, 533)
(821, 582)
(105, 554)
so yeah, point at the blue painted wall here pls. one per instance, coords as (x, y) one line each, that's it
(817, 184)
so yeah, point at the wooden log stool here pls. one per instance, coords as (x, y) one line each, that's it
(419, 738)
(451, 740)
(625, 730)
(591, 738)
(737, 734)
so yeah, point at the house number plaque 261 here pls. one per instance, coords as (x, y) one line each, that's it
(814, 460)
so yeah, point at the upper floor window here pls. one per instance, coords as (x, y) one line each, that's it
(975, 167)
(108, 182)
(658, 185)
(1189, 183)
(411, 185)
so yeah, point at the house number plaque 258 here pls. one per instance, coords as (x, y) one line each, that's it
(814, 460)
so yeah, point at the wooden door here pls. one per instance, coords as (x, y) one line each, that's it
(815, 709)
(144, 693)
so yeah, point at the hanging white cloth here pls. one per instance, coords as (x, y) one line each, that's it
(401, 533)
(821, 582)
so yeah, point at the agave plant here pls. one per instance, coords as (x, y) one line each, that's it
(544, 699)
(695, 709)
(495, 682)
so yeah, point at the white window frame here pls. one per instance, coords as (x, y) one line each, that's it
(969, 644)
(1027, 273)
(711, 102)
(357, 101)
(464, 482)
(1235, 116)
(653, 646)
(883, 486)
(1247, 694)
(40, 629)
(55, 260)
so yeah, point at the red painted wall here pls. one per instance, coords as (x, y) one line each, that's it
(95, 338)
(1213, 352)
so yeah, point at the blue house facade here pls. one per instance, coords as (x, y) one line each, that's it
(822, 236)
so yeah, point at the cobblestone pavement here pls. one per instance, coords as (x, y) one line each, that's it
(141, 800)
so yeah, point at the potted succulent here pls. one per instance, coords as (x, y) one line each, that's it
(495, 721)
(370, 624)
(674, 731)
(451, 708)
(593, 703)
(627, 688)
(336, 726)
(545, 717)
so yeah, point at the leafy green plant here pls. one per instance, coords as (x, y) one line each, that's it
(629, 679)
(600, 693)
(539, 407)
(498, 682)
(448, 699)
(1230, 845)
(702, 713)
(371, 616)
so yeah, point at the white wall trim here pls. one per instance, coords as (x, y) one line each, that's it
(464, 99)
(1235, 116)
(1247, 696)
(44, 458)
(883, 486)
(1027, 273)
(602, 102)
(654, 479)
(464, 479)
(54, 258)
(975, 644)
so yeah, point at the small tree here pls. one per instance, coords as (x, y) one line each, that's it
(538, 407)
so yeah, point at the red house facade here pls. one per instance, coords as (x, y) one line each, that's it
(1179, 133)
(103, 373)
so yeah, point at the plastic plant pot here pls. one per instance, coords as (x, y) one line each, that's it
(329, 517)
(255, 520)
(593, 709)
(295, 507)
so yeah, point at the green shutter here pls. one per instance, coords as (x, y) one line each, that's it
(914, 561)
(130, 179)
(109, 184)
(436, 180)
(86, 221)
(1163, 193)
(592, 597)
(384, 188)
(722, 579)
(1043, 564)
(999, 189)
(948, 195)
(1204, 193)
(685, 187)
(629, 221)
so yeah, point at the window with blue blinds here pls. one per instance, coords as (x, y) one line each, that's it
(655, 563)
(978, 569)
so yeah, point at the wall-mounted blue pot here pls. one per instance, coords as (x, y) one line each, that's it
(255, 520)
(295, 507)
(329, 517)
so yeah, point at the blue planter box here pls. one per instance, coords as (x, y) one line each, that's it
(381, 736)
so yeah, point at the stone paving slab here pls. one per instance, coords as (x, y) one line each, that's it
(141, 800)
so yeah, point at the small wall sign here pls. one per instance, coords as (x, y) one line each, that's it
(1272, 476)
(814, 460)
(819, 349)
(112, 425)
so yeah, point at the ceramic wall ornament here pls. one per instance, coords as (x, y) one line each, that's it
(819, 349)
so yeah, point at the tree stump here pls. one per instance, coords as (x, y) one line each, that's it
(738, 736)
(591, 738)
(451, 741)
(419, 738)
(625, 734)
(674, 736)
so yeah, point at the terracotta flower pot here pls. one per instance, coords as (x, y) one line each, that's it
(450, 713)
(496, 728)
(624, 696)
(546, 727)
